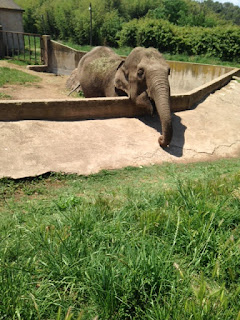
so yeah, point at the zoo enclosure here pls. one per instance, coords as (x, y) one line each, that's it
(22, 46)
(61, 59)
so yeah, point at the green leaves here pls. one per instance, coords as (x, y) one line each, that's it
(221, 42)
(179, 26)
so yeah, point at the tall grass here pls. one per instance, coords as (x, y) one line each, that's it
(150, 243)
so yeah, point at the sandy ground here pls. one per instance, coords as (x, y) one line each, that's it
(28, 148)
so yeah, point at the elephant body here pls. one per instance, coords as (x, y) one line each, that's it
(142, 76)
(96, 72)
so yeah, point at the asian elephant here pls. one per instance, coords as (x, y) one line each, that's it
(142, 76)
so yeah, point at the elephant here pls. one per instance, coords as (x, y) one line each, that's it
(142, 76)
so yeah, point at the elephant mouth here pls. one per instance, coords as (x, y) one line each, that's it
(120, 92)
(142, 100)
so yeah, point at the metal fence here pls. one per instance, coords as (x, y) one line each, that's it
(22, 46)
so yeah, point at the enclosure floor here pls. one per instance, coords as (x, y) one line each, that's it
(210, 131)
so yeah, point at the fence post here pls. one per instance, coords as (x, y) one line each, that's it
(46, 49)
(2, 47)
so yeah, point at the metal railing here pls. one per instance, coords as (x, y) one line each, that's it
(22, 46)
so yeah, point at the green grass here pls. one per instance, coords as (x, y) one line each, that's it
(17, 62)
(25, 60)
(13, 76)
(4, 96)
(139, 243)
(201, 59)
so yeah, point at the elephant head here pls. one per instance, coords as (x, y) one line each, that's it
(143, 76)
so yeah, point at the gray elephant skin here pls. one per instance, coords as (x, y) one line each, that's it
(142, 76)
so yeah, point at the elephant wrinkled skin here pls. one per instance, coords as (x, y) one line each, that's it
(142, 76)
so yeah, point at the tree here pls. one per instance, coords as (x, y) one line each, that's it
(110, 27)
(174, 10)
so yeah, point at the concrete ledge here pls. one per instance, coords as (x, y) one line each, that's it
(199, 93)
(62, 59)
(79, 109)
(75, 109)
(181, 102)
(38, 68)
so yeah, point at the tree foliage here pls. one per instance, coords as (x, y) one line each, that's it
(227, 10)
(167, 37)
(176, 26)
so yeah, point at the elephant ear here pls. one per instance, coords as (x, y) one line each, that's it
(121, 82)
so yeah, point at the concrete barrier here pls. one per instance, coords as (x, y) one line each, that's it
(101, 108)
(58, 58)
(185, 101)
(74, 109)
(62, 59)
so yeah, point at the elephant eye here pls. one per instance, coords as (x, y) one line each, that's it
(140, 73)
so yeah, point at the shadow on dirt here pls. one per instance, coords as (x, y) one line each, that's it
(178, 139)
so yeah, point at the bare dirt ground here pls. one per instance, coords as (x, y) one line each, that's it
(51, 86)
(209, 131)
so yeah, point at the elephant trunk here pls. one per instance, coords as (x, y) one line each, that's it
(159, 91)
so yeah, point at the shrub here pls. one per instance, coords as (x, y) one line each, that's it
(155, 33)
(219, 41)
(227, 44)
(110, 27)
(128, 34)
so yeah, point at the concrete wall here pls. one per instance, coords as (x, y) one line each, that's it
(62, 59)
(66, 110)
(186, 76)
(187, 100)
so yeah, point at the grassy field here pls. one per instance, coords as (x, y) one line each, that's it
(158, 242)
